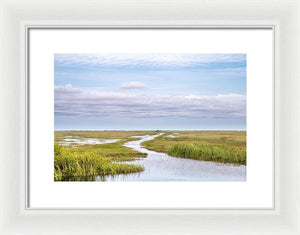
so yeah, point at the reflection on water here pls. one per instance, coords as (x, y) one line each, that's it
(96, 178)
(79, 178)
(121, 177)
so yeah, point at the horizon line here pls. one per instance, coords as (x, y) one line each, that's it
(156, 130)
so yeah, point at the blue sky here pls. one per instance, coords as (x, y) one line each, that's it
(150, 91)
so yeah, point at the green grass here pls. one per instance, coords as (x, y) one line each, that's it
(70, 163)
(209, 152)
(218, 146)
(123, 135)
(83, 162)
(114, 151)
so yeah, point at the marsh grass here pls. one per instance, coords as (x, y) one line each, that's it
(113, 151)
(84, 162)
(70, 163)
(209, 152)
(218, 146)
(60, 135)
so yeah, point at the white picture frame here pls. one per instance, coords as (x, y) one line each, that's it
(16, 16)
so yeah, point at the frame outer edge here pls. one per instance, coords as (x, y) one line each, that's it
(4, 152)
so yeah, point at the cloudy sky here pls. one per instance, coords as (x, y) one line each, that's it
(150, 91)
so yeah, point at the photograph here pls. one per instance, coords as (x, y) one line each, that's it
(150, 117)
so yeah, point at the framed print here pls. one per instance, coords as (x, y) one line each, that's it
(142, 119)
(163, 110)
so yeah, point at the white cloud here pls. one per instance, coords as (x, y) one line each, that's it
(133, 85)
(153, 60)
(77, 102)
(68, 85)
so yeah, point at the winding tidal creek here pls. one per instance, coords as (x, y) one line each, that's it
(162, 167)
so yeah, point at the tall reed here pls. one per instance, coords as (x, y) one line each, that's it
(69, 163)
(209, 152)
